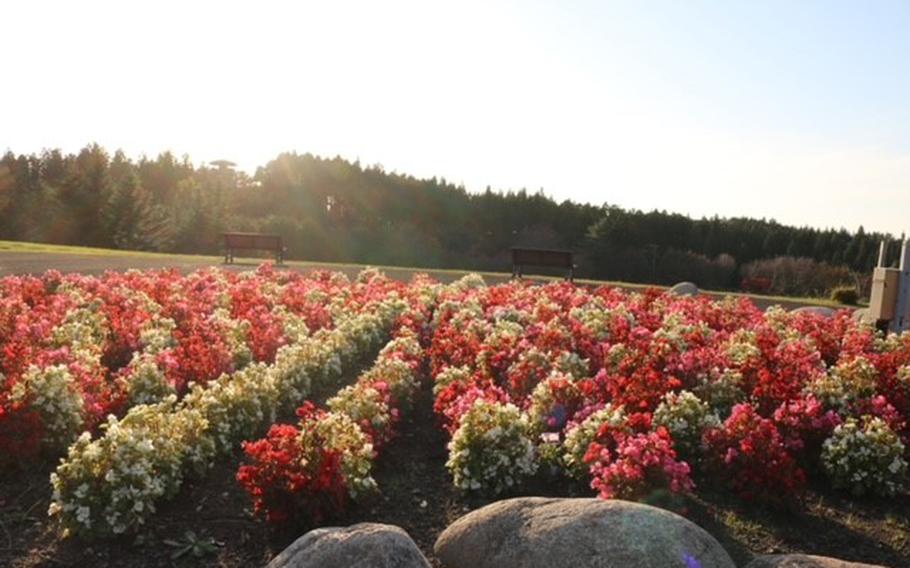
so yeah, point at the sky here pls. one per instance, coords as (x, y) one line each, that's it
(796, 110)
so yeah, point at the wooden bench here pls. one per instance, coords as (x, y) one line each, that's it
(522, 257)
(252, 241)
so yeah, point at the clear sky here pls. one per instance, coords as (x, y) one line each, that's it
(796, 110)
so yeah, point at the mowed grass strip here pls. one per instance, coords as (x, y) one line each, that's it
(444, 274)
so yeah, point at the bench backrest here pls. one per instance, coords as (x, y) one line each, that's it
(252, 241)
(542, 257)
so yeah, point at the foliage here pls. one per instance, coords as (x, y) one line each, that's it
(491, 450)
(749, 452)
(845, 295)
(629, 466)
(111, 484)
(686, 418)
(306, 471)
(865, 456)
(330, 209)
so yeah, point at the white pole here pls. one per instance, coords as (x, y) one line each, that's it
(900, 322)
(882, 253)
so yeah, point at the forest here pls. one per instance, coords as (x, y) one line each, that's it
(333, 209)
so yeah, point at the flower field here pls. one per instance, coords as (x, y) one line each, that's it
(639, 392)
(140, 386)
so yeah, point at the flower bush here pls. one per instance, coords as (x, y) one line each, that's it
(686, 418)
(749, 452)
(112, 484)
(580, 436)
(52, 393)
(491, 450)
(308, 471)
(865, 457)
(551, 404)
(630, 466)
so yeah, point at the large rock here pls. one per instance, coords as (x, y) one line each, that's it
(537, 532)
(862, 315)
(816, 310)
(367, 545)
(684, 289)
(803, 561)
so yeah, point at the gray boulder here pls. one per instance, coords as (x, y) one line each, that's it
(684, 289)
(538, 532)
(817, 310)
(803, 561)
(862, 315)
(366, 545)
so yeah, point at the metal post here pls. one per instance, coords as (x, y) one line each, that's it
(900, 323)
(882, 253)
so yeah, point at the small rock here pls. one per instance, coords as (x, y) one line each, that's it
(684, 289)
(817, 310)
(365, 545)
(862, 315)
(803, 561)
(537, 532)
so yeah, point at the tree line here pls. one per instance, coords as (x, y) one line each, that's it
(332, 209)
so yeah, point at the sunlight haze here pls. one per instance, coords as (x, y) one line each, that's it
(792, 110)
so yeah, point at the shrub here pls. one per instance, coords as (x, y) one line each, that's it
(54, 394)
(845, 295)
(749, 453)
(865, 456)
(580, 436)
(307, 472)
(491, 451)
(553, 401)
(686, 418)
(630, 466)
(111, 484)
(794, 276)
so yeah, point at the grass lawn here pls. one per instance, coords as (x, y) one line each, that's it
(26, 247)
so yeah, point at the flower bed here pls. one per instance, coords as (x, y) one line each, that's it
(310, 471)
(641, 391)
(111, 484)
(148, 377)
(79, 348)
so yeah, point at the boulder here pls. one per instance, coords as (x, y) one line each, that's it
(817, 310)
(684, 289)
(803, 561)
(862, 315)
(538, 532)
(366, 545)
